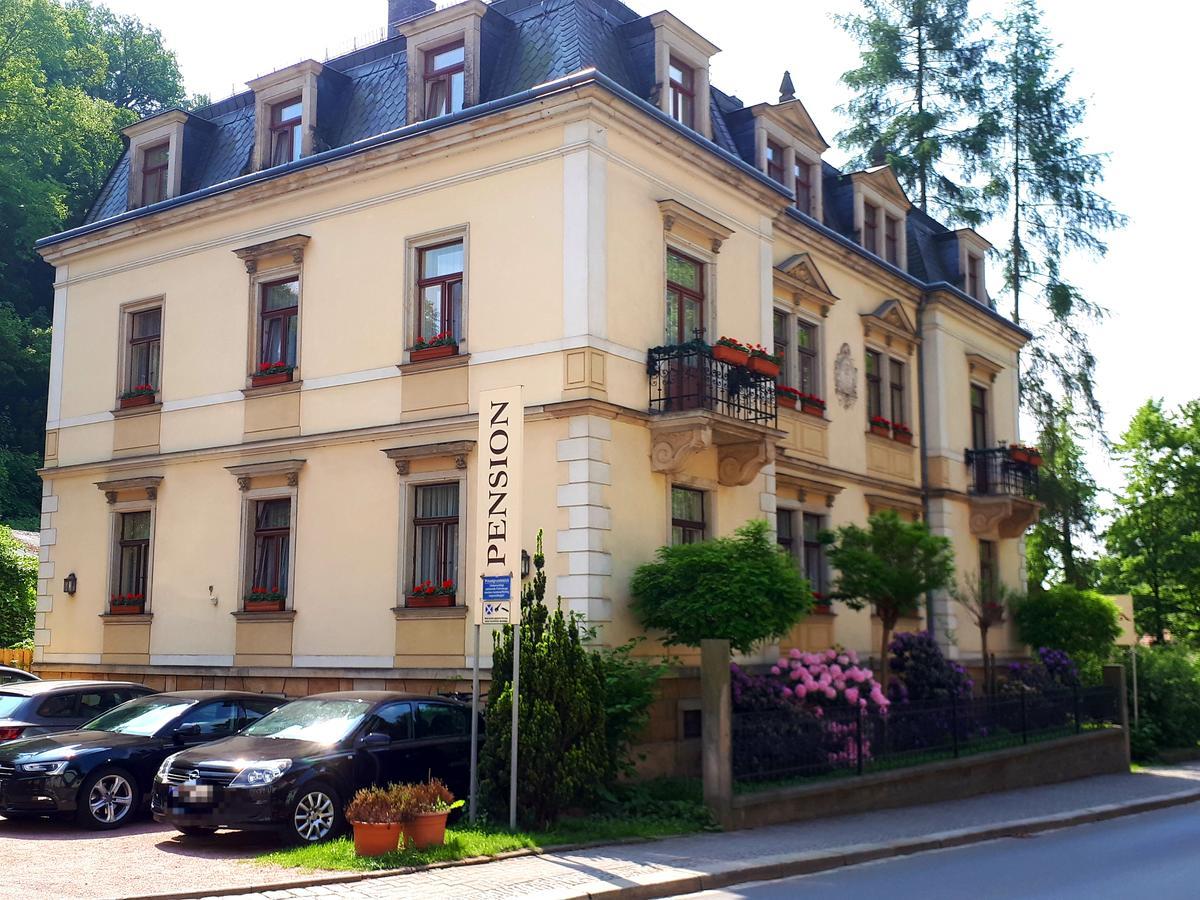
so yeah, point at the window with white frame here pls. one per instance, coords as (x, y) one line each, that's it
(887, 388)
(436, 530)
(271, 549)
(979, 417)
(815, 568)
(141, 352)
(131, 561)
(797, 342)
(688, 524)
(437, 289)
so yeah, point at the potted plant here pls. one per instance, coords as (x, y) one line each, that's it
(1018, 454)
(424, 806)
(441, 344)
(271, 373)
(261, 599)
(731, 351)
(881, 426)
(127, 604)
(812, 404)
(138, 395)
(377, 820)
(1035, 456)
(821, 605)
(763, 361)
(427, 594)
(788, 397)
(901, 433)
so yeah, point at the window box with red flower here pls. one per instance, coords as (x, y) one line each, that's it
(729, 350)
(812, 405)
(127, 604)
(763, 361)
(272, 373)
(138, 395)
(881, 426)
(788, 397)
(261, 599)
(901, 433)
(821, 605)
(1035, 456)
(440, 345)
(1018, 454)
(428, 595)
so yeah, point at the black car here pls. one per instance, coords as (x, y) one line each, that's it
(103, 771)
(29, 708)
(295, 769)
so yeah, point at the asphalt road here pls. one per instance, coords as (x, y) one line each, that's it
(1154, 854)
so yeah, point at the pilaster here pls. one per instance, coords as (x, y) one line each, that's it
(583, 494)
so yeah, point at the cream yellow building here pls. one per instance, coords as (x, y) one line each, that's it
(261, 446)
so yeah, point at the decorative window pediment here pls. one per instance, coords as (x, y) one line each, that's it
(456, 450)
(902, 507)
(810, 490)
(288, 468)
(290, 247)
(892, 326)
(147, 485)
(983, 368)
(693, 226)
(799, 276)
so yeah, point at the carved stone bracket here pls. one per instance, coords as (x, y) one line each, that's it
(1007, 517)
(290, 468)
(243, 482)
(670, 450)
(456, 450)
(739, 464)
(148, 483)
(290, 246)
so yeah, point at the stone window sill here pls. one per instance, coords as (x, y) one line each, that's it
(432, 365)
(127, 618)
(266, 390)
(132, 411)
(277, 615)
(432, 612)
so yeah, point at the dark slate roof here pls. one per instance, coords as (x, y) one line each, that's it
(524, 43)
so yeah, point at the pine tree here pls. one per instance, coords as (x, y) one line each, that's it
(1044, 181)
(919, 100)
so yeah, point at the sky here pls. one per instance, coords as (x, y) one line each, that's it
(1134, 69)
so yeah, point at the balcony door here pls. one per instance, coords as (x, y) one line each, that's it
(979, 439)
(684, 317)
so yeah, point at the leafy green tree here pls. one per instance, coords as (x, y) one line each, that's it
(741, 588)
(18, 591)
(918, 103)
(630, 688)
(561, 758)
(1044, 181)
(1168, 679)
(1082, 623)
(24, 360)
(888, 566)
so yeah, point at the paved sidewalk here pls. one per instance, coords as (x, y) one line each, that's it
(680, 865)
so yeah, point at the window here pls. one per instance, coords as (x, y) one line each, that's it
(440, 290)
(436, 720)
(898, 408)
(254, 709)
(395, 721)
(973, 279)
(987, 570)
(155, 163)
(979, 420)
(775, 161)
(870, 230)
(683, 93)
(814, 554)
(286, 132)
(807, 354)
(803, 170)
(272, 545)
(145, 338)
(92, 703)
(782, 346)
(279, 321)
(59, 706)
(891, 239)
(874, 384)
(687, 516)
(784, 532)
(435, 530)
(133, 554)
(212, 719)
(445, 80)
(685, 299)
(693, 723)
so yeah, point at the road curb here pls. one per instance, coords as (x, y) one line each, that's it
(800, 864)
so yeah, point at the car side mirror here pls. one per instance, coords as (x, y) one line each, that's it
(375, 739)
(187, 731)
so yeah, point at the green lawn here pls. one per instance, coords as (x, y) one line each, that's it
(649, 810)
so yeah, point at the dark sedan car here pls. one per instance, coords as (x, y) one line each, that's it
(103, 771)
(28, 708)
(295, 769)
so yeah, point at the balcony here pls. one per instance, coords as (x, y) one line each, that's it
(1003, 493)
(697, 402)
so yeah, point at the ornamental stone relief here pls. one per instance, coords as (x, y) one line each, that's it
(845, 378)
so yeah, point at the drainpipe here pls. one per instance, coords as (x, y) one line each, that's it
(929, 620)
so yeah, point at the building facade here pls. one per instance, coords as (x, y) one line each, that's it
(271, 334)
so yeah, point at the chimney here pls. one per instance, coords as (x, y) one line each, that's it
(403, 10)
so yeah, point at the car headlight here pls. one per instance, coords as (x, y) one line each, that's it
(258, 774)
(165, 767)
(57, 767)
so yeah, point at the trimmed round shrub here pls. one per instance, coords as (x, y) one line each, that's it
(1083, 623)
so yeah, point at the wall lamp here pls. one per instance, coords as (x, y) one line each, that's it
(524, 564)
(70, 584)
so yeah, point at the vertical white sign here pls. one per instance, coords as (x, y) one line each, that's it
(498, 505)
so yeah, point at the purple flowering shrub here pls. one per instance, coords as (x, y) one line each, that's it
(1053, 670)
(921, 675)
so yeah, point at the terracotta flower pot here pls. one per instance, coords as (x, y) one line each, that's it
(263, 605)
(1018, 454)
(428, 601)
(786, 401)
(139, 400)
(764, 366)
(881, 430)
(426, 830)
(376, 838)
(811, 408)
(433, 352)
(264, 380)
(822, 609)
(126, 609)
(901, 437)
(1035, 459)
(731, 355)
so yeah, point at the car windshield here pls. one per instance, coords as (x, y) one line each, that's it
(9, 704)
(322, 721)
(143, 716)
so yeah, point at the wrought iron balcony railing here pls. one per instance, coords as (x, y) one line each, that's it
(995, 473)
(685, 377)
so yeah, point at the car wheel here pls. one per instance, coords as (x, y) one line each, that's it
(108, 799)
(315, 815)
(196, 830)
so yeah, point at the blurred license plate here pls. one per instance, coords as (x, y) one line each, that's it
(193, 794)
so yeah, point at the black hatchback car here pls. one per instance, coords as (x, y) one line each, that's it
(295, 769)
(103, 771)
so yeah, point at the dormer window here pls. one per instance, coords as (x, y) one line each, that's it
(775, 161)
(880, 212)
(286, 131)
(804, 192)
(683, 93)
(870, 229)
(972, 251)
(891, 239)
(156, 161)
(445, 80)
(974, 264)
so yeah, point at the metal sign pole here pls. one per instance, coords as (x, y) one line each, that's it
(475, 728)
(516, 684)
(1133, 666)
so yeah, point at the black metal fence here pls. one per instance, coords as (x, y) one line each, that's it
(994, 472)
(686, 377)
(796, 742)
